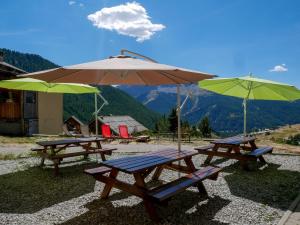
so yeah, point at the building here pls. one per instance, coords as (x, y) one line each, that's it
(74, 124)
(26, 112)
(114, 122)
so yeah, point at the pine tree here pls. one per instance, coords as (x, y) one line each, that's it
(173, 120)
(205, 128)
(162, 125)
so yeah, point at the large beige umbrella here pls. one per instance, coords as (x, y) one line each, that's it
(124, 70)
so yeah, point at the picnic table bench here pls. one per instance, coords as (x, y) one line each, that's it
(141, 166)
(50, 149)
(233, 147)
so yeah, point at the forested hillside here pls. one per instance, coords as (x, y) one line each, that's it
(225, 113)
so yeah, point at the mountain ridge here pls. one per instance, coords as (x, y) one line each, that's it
(224, 112)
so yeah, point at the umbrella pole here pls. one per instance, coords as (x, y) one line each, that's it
(245, 117)
(178, 118)
(96, 116)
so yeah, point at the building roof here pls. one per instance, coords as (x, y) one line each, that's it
(5, 67)
(115, 121)
(75, 119)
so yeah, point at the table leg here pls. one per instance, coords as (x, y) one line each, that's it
(261, 158)
(102, 156)
(87, 148)
(98, 143)
(157, 173)
(149, 206)
(189, 162)
(210, 157)
(108, 186)
(253, 145)
(243, 162)
(56, 168)
(229, 150)
(43, 157)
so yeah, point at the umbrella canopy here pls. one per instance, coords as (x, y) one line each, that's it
(30, 84)
(124, 70)
(121, 70)
(250, 87)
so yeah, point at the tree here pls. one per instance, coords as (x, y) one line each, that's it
(194, 132)
(185, 127)
(172, 118)
(162, 125)
(205, 128)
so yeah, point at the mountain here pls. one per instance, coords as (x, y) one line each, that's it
(225, 113)
(82, 106)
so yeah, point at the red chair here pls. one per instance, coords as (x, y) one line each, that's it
(123, 132)
(106, 131)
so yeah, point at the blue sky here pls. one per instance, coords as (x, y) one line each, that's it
(227, 38)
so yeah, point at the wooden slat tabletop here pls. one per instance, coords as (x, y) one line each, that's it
(69, 141)
(139, 163)
(234, 140)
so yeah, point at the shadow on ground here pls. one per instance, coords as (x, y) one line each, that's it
(270, 185)
(187, 208)
(36, 188)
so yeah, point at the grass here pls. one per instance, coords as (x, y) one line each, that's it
(10, 156)
(17, 140)
(33, 189)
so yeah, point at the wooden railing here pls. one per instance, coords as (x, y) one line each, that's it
(186, 137)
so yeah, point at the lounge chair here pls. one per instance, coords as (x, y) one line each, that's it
(106, 132)
(124, 135)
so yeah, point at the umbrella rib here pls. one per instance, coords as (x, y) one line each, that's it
(168, 76)
(141, 77)
(233, 87)
(105, 74)
(286, 99)
(64, 76)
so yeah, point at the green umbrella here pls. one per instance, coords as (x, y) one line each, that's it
(30, 84)
(250, 87)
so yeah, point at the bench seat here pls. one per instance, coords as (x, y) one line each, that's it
(260, 151)
(72, 154)
(37, 149)
(97, 171)
(204, 148)
(170, 189)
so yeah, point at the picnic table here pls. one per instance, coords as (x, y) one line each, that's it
(51, 149)
(141, 166)
(231, 148)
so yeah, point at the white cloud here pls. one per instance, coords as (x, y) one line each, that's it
(279, 68)
(72, 2)
(81, 4)
(130, 19)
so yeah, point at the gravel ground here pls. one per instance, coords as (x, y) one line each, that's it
(237, 197)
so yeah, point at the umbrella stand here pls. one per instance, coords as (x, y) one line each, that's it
(105, 102)
(245, 116)
(96, 116)
(178, 124)
(178, 118)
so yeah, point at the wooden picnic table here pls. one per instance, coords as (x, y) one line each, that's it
(51, 149)
(141, 166)
(231, 148)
